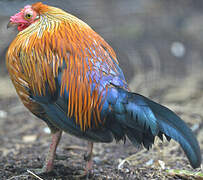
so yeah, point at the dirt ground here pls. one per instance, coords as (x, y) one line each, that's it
(160, 48)
(24, 143)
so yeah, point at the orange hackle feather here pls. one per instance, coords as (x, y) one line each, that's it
(39, 51)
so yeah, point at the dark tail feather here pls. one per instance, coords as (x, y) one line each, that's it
(171, 125)
(143, 119)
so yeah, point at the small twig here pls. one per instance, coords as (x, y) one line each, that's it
(75, 147)
(130, 158)
(17, 177)
(34, 175)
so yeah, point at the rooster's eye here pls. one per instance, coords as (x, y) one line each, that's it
(28, 16)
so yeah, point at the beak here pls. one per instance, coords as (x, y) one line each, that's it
(11, 24)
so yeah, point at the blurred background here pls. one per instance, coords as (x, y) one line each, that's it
(155, 40)
(159, 44)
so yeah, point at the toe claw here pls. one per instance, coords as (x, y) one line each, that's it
(84, 174)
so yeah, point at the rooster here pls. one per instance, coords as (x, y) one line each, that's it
(69, 76)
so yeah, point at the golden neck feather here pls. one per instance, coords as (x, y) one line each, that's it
(50, 21)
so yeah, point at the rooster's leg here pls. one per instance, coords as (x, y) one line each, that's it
(89, 163)
(49, 163)
(88, 158)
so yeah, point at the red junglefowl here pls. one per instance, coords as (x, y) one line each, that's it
(68, 76)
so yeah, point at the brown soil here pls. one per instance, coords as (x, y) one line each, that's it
(24, 144)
